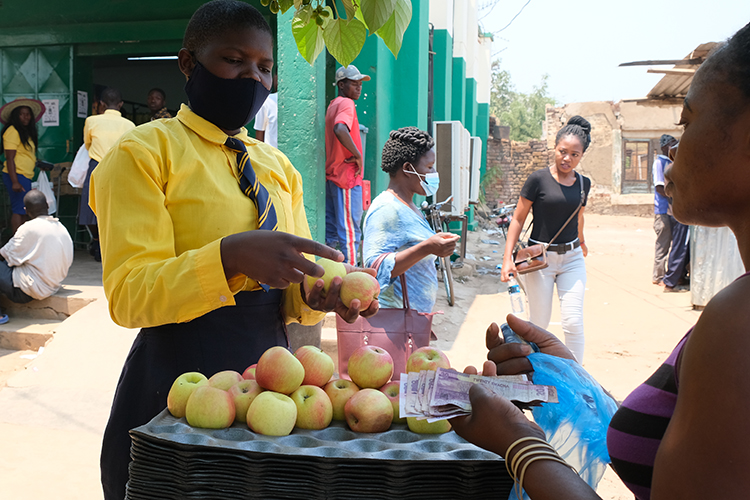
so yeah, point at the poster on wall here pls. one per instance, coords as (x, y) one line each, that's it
(83, 104)
(51, 117)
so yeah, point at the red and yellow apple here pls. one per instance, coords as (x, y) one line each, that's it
(425, 427)
(243, 393)
(224, 380)
(210, 408)
(391, 390)
(180, 392)
(332, 269)
(427, 358)
(249, 373)
(279, 371)
(359, 285)
(314, 408)
(317, 363)
(272, 414)
(339, 391)
(369, 410)
(370, 367)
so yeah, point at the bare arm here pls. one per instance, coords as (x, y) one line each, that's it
(345, 138)
(581, 238)
(260, 135)
(441, 245)
(514, 232)
(10, 159)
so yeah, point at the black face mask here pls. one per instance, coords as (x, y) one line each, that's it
(227, 103)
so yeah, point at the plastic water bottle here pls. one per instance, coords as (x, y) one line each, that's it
(516, 298)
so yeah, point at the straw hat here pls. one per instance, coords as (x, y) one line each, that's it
(37, 108)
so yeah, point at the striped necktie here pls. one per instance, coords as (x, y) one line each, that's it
(253, 188)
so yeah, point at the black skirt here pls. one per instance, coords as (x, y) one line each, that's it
(229, 338)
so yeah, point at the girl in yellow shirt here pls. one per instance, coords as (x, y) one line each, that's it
(19, 141)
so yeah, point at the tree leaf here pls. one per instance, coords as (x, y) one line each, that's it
(377, 12)
(350, 8)
(297, 4)
(345, 39)
(392, 32)
(285, 5)
(304, 14)
(309, 38)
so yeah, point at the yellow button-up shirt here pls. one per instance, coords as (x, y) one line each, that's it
(101, 132)
(25, 158)
(165, 197)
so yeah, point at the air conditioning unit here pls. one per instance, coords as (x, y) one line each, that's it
(452, 157)
(475, 171)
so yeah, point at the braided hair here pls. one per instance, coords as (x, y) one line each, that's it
(405, 145)
(27, 133)
(579, 127)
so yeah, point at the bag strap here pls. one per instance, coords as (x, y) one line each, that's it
(580, 180)
(376, 265)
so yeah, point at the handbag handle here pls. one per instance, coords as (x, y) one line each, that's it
(376, 265)
(580, 180)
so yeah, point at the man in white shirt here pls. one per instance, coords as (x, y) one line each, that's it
(266, 119)
(37, 258)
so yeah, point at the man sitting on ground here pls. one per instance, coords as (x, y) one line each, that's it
(37, 258)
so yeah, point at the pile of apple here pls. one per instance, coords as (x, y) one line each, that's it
(284, 390)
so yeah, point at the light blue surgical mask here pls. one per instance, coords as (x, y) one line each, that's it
(430, 182)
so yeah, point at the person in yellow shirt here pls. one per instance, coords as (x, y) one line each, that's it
(187, 256)
(19, 141)
(100, 133)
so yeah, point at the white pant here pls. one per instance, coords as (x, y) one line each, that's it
(568, 270)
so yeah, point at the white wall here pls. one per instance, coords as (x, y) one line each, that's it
(483, 67)
(441, 15)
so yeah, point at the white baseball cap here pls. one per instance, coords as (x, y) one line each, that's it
(350, 73)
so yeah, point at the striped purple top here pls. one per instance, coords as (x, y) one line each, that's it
(638, 426)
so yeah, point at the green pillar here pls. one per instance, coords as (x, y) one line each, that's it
(458, 107)
(483, 130)
(470, 111)
(442, 75)
(302, 108)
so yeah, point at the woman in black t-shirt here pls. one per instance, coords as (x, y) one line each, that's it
(555, 193)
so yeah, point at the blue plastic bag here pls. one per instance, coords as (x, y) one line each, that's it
(577, 425)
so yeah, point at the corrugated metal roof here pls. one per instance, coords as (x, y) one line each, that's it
(673, 86)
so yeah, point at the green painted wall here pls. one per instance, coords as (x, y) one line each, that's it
(458, 90)
(442, 75)
(483, 130)
(302, 107)
(470, 108)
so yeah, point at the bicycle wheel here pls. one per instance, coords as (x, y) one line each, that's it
(445, 267)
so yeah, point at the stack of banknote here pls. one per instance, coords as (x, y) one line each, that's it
(438, 395)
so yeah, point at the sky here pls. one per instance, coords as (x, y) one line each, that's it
(580, 44)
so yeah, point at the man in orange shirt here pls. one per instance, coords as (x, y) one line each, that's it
(344, 165)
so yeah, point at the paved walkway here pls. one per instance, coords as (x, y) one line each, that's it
(53, 412)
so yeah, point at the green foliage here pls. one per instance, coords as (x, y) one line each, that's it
(524, 113)
(316, 26)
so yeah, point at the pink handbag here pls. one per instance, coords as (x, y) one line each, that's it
(400, 331)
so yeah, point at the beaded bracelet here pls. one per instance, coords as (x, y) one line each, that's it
(538, 450)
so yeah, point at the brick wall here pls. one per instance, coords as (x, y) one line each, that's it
(509, 163)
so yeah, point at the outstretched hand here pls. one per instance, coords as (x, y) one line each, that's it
(317, 299)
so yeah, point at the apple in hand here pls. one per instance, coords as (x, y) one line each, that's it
(279, 371)
(391, 390)
(249, 373)
(210, 408)
(314, 408)
(370, 367)
(369, 410)
(425, 427)
(243, 393)
(332, 269)
(224, 380)
(182, 388)
(427, 358)
(272, 414)
(359, 285)
(339, 391)
(317, 363)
